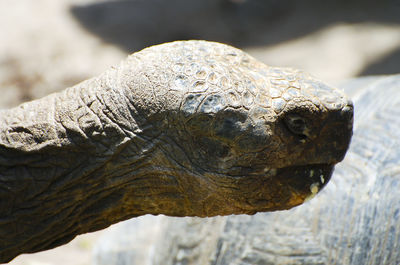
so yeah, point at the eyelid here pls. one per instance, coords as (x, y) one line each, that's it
(297, 125)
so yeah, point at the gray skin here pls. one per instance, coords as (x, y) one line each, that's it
(190, 128)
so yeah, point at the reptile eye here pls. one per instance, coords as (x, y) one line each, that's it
(296, 125)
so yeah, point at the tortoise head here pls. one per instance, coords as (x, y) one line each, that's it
(281, 141)
(255, 138)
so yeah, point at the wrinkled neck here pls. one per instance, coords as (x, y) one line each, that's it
(70, 163)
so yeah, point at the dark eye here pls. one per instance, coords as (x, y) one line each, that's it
(297, 125)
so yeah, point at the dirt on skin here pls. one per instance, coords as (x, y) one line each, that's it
(49, 45)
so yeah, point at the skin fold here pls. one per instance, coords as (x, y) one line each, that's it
(188, 128)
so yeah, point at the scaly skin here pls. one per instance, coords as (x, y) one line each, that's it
(189, 128)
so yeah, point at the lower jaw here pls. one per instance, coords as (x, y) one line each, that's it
(280, 189)
(288, 187)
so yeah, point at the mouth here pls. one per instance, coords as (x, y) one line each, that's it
(276, 189)
(286, 187)
(304, 182)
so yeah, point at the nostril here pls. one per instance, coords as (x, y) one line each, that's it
(348, 111)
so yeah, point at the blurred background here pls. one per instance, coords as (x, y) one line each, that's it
(47, 45)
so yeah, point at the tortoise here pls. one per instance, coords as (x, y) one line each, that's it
(354, 220)
(188, 128)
